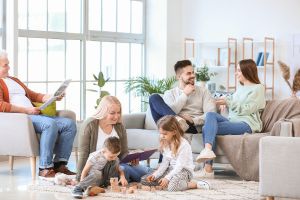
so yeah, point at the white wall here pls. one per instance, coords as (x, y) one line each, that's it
(174, 34)
(216, 20)
(164, 39)
(156, 38)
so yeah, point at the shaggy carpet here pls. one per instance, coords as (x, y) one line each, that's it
(220, 189)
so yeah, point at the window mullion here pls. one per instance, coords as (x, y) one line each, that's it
(83, 57)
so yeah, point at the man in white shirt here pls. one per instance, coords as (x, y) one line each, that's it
(187, 101)
(56, 132)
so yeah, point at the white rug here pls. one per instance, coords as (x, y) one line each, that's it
(221, 189)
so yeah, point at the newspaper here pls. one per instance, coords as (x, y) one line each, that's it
(62, 88)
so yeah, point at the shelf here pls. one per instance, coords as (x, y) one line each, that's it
(217, 66)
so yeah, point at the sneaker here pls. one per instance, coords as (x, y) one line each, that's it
(64, 169)
(204, 174)
(203, 185)
(47, 174)
(94, 190)
(77, 192)
(205, 154)
(182, 123)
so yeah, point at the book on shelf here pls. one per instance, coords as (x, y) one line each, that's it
(259, 55)
(138, 154)
(261, 61)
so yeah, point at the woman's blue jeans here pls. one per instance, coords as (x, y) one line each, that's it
(57, 136)
(134, 173)
(215, 124)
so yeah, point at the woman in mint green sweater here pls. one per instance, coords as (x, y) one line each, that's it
(244, 108)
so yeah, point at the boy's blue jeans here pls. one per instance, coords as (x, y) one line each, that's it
(57, 136)
(215, 124)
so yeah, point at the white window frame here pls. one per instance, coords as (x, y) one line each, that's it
(86, 35)
(3, 28)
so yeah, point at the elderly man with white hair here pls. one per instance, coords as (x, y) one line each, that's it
(56, 132)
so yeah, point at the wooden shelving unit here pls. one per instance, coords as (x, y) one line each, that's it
(247, 40)
(269, 43)
(249, 51)
(232, 62)
(189, 48)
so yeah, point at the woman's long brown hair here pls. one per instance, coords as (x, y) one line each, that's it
(249, 70)
(169, 123)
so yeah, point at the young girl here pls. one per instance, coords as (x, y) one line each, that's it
(176, 170)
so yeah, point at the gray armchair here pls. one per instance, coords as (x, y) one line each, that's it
(18, 137)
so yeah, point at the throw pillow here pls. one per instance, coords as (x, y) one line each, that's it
(49, 110)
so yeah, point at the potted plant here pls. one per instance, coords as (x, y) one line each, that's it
(203, 75)
(143, 86)
(100, 83)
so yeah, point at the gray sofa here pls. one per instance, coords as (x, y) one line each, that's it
(142, 133)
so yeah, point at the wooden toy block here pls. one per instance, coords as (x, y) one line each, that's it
(152, 189)
(114, 181)
(116, 190)
(139, 186)
(123, 190)
(146, 188)
(135, 187)
(158, 187)
(130, 191)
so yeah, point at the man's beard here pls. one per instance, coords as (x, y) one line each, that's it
(190, 81)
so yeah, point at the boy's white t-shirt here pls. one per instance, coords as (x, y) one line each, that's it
(17, 95)
(102, 136)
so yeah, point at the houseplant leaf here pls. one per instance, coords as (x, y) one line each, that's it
(101, 80)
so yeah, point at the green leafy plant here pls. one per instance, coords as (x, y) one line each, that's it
(203, 74)
(100, 83)
(144, 87)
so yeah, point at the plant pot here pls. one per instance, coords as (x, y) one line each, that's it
(202, 83)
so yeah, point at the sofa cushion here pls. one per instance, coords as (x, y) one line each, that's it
(197, 144)
(149, 121)
(142, 139)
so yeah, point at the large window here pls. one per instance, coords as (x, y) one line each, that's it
(2, 24)
(62, 39)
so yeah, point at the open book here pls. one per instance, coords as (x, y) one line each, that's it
(138, 154)
(62, 88)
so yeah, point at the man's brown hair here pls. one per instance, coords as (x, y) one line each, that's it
(113, 145)
(181, 64)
